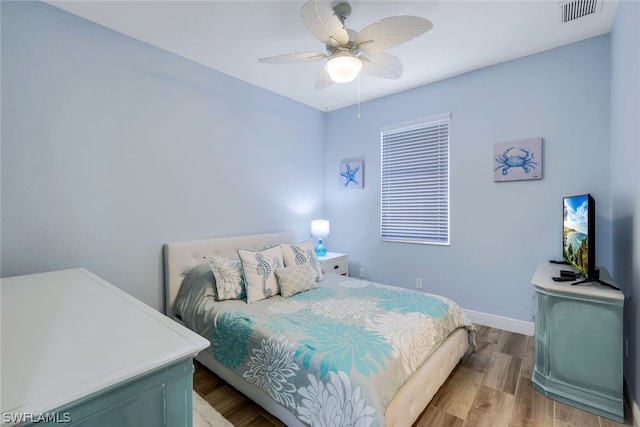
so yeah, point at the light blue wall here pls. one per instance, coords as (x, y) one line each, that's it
(499, 231)
(625, 175)
(111, 147)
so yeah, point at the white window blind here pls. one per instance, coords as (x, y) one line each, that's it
(415, 182)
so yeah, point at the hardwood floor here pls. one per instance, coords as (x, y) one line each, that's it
(490, 387)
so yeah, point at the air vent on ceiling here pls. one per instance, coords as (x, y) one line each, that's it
(574, 9)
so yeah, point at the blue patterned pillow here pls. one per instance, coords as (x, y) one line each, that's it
(259, 269)
(229, 280)
(302, 253)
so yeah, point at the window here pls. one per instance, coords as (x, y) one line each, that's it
(415, 182)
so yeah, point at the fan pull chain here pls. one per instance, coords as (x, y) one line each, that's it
(326, 92)
(358, 95)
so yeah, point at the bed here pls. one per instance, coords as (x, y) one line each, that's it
(394, 399)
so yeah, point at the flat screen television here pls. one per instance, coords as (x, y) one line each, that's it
(579, 237)
(578, 233)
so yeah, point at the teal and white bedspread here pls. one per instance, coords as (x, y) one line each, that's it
(335, 355)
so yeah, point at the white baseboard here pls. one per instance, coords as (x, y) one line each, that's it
(632, 404)
(505, 323)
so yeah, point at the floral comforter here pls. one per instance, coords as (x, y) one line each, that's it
(335, 355)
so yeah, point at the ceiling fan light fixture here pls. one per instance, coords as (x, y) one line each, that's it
(343, 67)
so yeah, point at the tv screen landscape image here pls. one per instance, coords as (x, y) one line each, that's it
(578, 233)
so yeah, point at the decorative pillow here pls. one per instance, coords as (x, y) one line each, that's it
(199, 282)
(259, 272)
(302, 253)
(296, 279)
(229, 280)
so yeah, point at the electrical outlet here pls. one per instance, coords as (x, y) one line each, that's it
(362, 273)
(419, 283)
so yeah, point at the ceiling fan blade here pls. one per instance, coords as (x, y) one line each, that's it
(323, 80)
(391, 32)
(381, 65)
(293, 57)
(323, 24)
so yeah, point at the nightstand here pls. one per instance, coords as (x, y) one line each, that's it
(334, 262)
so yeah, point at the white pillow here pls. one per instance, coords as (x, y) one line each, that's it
(229, 281)
(259, 272)
(296, 279)
(302, 253)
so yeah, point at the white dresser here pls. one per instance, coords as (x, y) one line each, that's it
(76, 349)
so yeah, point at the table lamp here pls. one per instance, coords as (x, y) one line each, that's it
(320, 229)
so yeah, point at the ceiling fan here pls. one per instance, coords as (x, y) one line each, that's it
(348, 52)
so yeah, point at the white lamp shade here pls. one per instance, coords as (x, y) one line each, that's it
(320, 228)
(343, 67)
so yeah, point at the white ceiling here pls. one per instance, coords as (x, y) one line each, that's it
(230, 36)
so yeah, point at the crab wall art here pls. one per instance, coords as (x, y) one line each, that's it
(517, 160)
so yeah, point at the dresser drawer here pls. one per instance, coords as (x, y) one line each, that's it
(336, 265)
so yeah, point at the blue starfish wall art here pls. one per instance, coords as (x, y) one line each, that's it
(351, 175)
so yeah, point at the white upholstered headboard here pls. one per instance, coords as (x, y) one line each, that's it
(180, 257)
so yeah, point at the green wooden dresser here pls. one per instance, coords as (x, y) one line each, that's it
(579, 342)
(78, 351)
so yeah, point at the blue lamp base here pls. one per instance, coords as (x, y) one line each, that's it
(320, 249)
